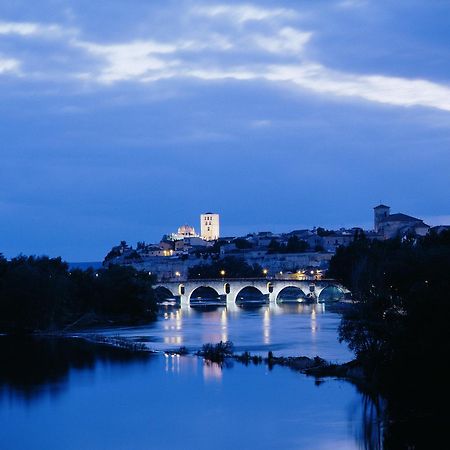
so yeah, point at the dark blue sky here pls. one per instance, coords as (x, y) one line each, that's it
(124, 120)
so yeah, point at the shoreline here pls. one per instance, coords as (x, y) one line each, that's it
(316, 367)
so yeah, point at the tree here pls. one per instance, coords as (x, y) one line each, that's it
(296, 245)
(274, 246)
(398, 329)
(40, 294)
(242, 243)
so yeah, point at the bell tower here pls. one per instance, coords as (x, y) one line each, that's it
(210, 226)
(380, 213)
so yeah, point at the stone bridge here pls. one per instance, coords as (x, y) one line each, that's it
(228, 290)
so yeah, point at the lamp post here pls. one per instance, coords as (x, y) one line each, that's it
(222, 274)
(265, 271)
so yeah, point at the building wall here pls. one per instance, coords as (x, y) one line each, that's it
(391, 229)
(210, 226)
(379, 215)
(177, 268)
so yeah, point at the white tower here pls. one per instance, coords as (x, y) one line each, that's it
(210, 226)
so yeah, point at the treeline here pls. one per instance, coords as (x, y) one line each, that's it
(399, 329)
(229, 267)
(42, 294)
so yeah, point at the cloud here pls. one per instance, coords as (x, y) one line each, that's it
(314, 77)
(34, 29)
(261, 123)
(251, 55)
(150, 61)
(288, 40)
(377, 88)
(139, 60)
(245, 13)
(351, 3)
(213, 41)
(9, 65)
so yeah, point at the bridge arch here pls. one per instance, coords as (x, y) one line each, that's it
(293, 294)
(250, 295)
(331, 293)
(163, 293)
(204, 294)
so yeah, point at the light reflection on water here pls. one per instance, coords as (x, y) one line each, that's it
(285, 329)
(72, 395)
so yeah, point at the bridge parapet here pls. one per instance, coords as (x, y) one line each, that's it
(231, 287)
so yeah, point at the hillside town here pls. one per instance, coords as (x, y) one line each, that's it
(299, 254)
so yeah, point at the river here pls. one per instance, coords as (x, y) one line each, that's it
(69, 394)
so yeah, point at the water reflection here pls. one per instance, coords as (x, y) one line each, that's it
(86, 385)
(285, 328)
(266, 326)
(32, 367)
(212, 371)
(108, 400)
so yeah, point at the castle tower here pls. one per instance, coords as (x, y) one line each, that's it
(380, 213)
(210, 226)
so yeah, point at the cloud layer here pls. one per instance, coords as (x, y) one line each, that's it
(275, 51)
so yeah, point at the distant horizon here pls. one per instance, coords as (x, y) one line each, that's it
(279, 228)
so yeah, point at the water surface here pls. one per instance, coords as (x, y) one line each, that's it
(69, 394)
(288, 330)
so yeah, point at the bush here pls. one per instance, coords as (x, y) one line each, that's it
(217, 352)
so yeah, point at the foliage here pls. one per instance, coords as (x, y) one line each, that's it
(233, 267)
(324, 232)
(40, 294)
(399, 327)
(217, 352)
(242, 244)
(293, 245)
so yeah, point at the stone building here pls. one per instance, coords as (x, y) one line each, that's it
(392, 225)
(210, 226)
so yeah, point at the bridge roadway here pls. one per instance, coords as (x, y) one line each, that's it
(228, 289)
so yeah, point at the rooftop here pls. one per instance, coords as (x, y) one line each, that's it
(399, 217)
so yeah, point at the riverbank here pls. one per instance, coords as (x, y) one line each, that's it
(223, 351)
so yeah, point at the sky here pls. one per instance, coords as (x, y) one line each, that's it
(124, 120)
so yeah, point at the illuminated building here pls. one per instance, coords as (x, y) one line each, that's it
(210, 226)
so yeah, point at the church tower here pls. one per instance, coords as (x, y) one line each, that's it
(380, 213)
(210, 226)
